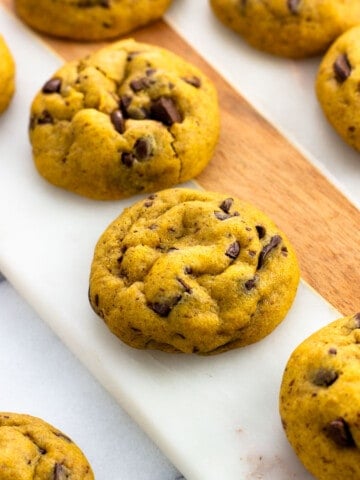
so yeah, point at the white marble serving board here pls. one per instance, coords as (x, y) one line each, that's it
(215, 418)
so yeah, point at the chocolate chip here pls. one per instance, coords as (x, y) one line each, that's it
(143, 148)
(261, 231)
(233, 250)
(222, 215)
(226, 205)
(188, 270)
(152, 196)
(250, 284)
(140, 84)
(45, 118)
(324, 377)
(59, 472)
(96, 298)
(42, 451)
(182, 282)
(339, 432)
(148, 203)
(118, 121)
(128, 158)
(332, 351)
(52, 86)
(293, 6)
(194, 81)
(284, 251)
(342, 68)
(274, 242)
(124, 104)
(165, 111)
(150, 71)
(105, 3)
(163, 309)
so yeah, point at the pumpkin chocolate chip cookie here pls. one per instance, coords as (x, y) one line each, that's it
(319, 401)
(290, 28)
(7, 75)
(32, 449)
(194, 272)
(128, 119)
(89, 19)
(337, 86)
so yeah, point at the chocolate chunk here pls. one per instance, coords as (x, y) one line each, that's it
(140, 84)
(148, 203)
(42, 451)
(152, 196)
(60, 472)
(293, 6)
(96, 298)
(274, 242)
(332, 351)
(128, 158)
(194, 81)
(284, 251)
(226, 205)
(261, 231)
(342, 68)
(250, 284)
(150, 71)
(324, 377)
(118, 121)
(52, 86)
(45, 118)
(165, 111)
(339, 432)
(222, 215)
(143, 148)
(182, 282)
(188, 270)
(233, 250)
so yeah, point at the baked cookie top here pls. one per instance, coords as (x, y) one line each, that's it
(89, 19)
(337, 86)
(32, 449)
(7, 75)
(320, 398)
(194, 272)
(127, 119)
(290, 28)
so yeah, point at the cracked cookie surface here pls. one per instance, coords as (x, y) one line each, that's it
(194, 272)
(31, 449)
(337, 86)
(7, 75)
(319, 400)
(89, 19)
(289, 28)
(127, 119)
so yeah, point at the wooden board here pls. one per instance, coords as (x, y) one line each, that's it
(255, 162)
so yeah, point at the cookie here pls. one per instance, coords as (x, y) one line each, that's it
(32, 449)
(89, 19)
(194, 272)
(128, 119)
(289, 28)
(7, 75)
(320, 398)
(337, 86)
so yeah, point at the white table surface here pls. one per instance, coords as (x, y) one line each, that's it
(113, 443)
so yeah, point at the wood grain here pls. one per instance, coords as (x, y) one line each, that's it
(255, 162)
